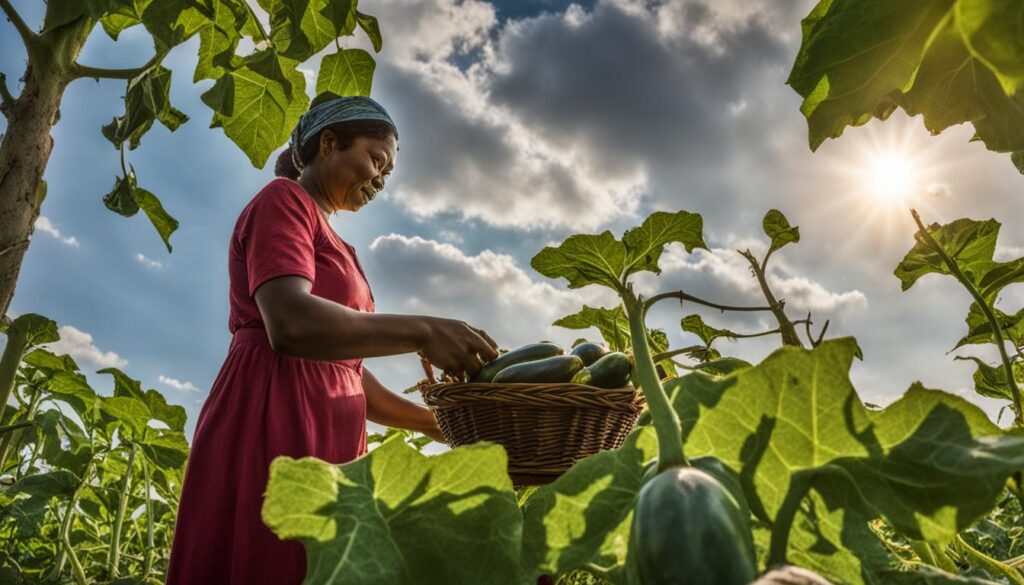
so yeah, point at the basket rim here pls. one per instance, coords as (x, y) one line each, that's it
(563, 395)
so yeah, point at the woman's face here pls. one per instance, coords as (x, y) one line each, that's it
(351, 178)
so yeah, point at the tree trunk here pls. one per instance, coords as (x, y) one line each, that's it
(26, 146)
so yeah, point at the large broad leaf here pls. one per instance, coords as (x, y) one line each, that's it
(395, 516)
(996, 40)
(146, 100)
(855, 53)
(27, 500)
(219, 41)
(171, 22)
(979, 330)
(64, 444)
(46, 360)
(696, 325)
(930, 463)
(258, 103)
(348, 72)
(953, 87)
(171, 414)
(302, 28)
(612, 323)
(129, 414)
(33, 329)
(167, 449)
(126, 198)
(583, 518)
(777, 227)
(370, 25)
(969, 243)
(644, 244)
(74, 390)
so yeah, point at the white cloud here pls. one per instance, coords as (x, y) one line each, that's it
(148, 262)
(44, 224)
(79, 345)
(178, 384)
(1007, 253)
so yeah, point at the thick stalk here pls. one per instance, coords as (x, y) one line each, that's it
(786, 328)
(115, 539)
(26, 145)
(16, 344)
(666, 421)
(150, 523)
(997, 330)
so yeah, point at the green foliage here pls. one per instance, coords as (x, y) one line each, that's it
(73, 489)
(953, 61)
(127, 198)
(777, 228)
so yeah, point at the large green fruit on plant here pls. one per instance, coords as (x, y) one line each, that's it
(688, 530)
(526, 353)
(552, 370)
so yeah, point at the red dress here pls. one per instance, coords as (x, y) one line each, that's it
(264, 404)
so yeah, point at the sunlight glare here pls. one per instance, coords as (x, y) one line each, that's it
(891, 176)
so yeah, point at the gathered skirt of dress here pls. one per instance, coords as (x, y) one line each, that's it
(261, 406)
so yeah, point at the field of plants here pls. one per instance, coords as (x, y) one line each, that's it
(734, 468)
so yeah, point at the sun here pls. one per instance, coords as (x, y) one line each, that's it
(891, 177)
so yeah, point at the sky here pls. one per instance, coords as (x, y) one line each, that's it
(522, 123)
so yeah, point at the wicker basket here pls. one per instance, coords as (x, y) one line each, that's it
(545, 428)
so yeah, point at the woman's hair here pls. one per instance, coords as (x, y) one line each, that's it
(346, 132)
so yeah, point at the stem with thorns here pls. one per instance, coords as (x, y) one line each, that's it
(682, 296)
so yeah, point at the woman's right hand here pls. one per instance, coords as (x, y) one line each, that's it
(455, 347)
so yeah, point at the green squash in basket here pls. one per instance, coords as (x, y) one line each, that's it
(610, 371)
(526, 353)
(589, 351)
(551, 370)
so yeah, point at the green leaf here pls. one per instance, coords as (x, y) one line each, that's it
(131, 413)
(777, 227)
(74, 390)
(342, 13)
(645, 244)
(46, 360)
(695, 324)
(219, 41)
(396, 516)
(969, 243)
(298, 28)
(122, 14)
(259, 103)
(167, 449)
(172, 415)
(64, 444)
(370, 25)
(584, 516)
(127, 198)
(854, 55)
(994, 31)
(953, 87)
(147, 99)
(991, 381)
(927, 575)
(346, 73)
(27, 500)
(583, 260)
(979, 330)
(930, 463)
(612, 323)
(34, 329)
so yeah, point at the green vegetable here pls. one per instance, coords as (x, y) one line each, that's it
(526, 353)
(688, 530)
(589, 352)
(552, 370)
(611, 371)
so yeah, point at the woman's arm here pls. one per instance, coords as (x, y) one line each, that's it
(389, 409)
(300, 324)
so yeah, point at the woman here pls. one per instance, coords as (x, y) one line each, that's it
(293, 382)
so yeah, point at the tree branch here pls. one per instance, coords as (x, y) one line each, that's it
(79, 71)
(6, 99)
(26, 33)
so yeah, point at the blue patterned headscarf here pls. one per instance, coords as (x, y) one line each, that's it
(331, 112)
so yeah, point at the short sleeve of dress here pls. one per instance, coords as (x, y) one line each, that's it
(278, 236)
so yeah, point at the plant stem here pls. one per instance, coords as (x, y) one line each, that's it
(988, 563)
(115, 538)
(789, 336)
(20, 425)
(148, 564)
(13, 440)
(682, 296)
(16, 344)
(930, 556)
(666, 420)
(997, 329)
(65, 527)
(79, 71)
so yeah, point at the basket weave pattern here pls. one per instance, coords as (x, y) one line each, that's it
(545, 428)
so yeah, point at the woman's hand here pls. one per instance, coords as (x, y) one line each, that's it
(389, 409)
(456, 348)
